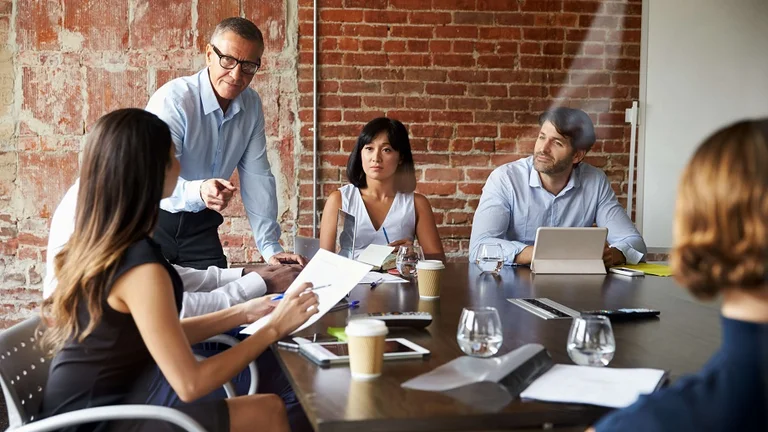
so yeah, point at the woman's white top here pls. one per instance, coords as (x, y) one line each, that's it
(400, 221)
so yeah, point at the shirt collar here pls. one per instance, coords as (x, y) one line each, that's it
(208, 97)
(535, 181)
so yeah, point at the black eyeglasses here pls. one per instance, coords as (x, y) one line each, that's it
(229, 62)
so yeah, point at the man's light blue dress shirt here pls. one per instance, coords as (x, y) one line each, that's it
(514, 204)
(210, 144)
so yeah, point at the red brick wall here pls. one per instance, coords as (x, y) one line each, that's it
(468, 78)
(69, 62)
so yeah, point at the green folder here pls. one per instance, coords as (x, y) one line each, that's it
(338, 333)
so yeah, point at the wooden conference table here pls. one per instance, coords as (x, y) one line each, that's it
(681, 341)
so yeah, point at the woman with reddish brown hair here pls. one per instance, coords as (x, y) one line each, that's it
(720, 249)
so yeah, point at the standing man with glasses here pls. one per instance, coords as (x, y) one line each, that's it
(217, 125)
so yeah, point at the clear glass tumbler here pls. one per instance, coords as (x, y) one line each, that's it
(480, 333)
(590, 341)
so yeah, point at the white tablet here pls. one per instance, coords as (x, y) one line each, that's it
(329, 353)
(569, 250)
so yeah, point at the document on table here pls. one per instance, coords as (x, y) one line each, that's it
(381, 278)
(325, 268)
(375, 255)
(609, 387)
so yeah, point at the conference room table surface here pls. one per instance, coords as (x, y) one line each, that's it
(680, 341)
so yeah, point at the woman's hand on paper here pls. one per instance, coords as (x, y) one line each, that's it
(294, 309)
(256, 308)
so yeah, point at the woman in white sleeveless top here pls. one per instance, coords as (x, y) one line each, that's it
(380, 194)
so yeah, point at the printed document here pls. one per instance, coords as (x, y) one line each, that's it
(325, 268)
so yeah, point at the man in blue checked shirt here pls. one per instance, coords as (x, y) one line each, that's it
(553, 188)
(217, 125)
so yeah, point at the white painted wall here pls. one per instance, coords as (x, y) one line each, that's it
(705, 65)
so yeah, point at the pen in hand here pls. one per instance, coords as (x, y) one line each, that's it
(385, 234)
(280, 296)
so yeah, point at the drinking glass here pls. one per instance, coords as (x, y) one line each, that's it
(490, 257)
(590, 341)
(479, 333)
(407, 258)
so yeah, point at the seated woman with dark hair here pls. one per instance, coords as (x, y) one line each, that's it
(380, 194)
(114, 317)
(720, 248)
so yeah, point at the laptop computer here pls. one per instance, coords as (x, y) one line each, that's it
(345, 238)
(569, 250)
(346, 227)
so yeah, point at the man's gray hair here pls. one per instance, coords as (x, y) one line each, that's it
(241, 27)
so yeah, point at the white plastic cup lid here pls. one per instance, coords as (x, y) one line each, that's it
(430, 265)
(366, 327)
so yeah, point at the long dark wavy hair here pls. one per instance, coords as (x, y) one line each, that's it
(123, 171)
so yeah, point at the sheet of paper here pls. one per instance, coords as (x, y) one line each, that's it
(610, 387)
(375, 254)
(324, 268)
(651, 269)
(372, 277)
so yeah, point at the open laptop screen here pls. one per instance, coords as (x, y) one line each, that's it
(345, 234)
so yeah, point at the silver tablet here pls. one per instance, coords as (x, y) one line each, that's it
(569, 250)
(329, 353)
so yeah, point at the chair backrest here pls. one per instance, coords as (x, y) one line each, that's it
(306, 246)
(23, 371)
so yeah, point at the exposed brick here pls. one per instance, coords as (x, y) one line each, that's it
(54, 97)
(497, 5)
(445, 89)
(44, 178)
(108, 91)
(98, 25)
(366, 4)
(454, 60)
(38, 24)
(436, 188)
(429, 17)
(341, 15)
(443, 66)
(474, 131)
(211, 13)
(162, 25)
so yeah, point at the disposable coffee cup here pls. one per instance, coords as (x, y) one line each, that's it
(365, 338)
(429, 272)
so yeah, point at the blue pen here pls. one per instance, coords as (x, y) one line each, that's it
(280, 296)
(385, 235)
(376, 283)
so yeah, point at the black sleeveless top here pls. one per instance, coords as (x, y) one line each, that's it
(103, 368)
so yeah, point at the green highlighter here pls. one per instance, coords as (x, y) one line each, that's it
(338, 333)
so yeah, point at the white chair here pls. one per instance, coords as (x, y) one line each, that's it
(24, 373)
(306, 246)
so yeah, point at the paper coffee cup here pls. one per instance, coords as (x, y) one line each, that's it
(365, 338)
(429, 272)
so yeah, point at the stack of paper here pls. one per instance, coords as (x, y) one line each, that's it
(375, 255)
(610, 387)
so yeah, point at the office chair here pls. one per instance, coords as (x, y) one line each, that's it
(24, 373)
